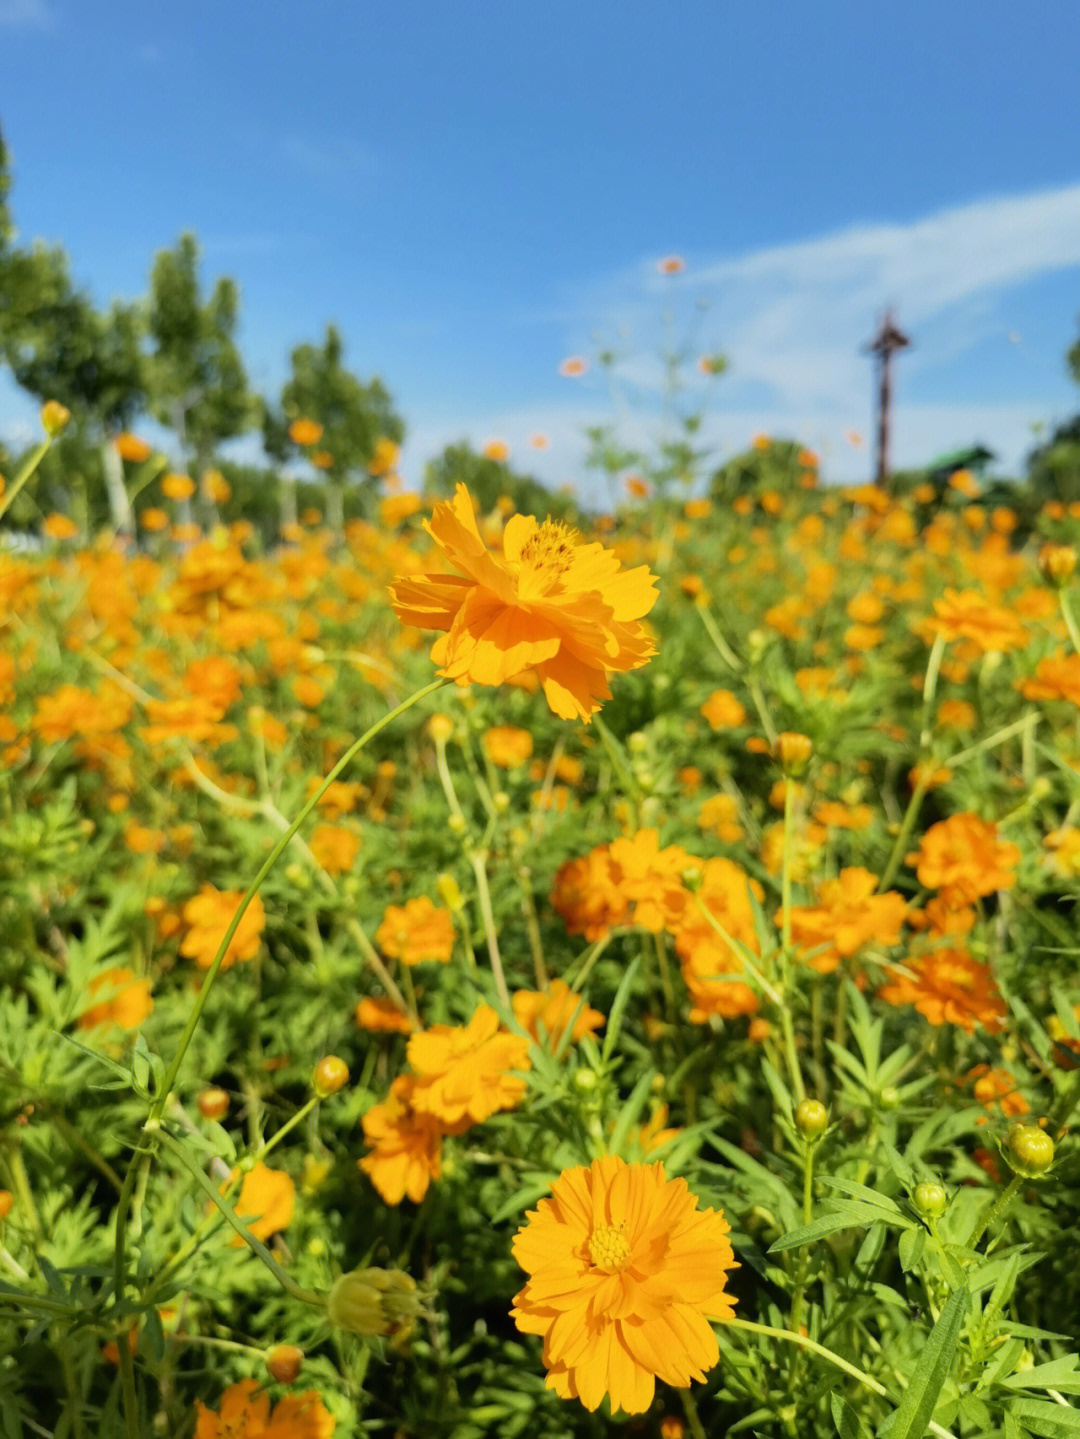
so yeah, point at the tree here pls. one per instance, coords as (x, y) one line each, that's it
(198, 385)
(489, 480)
(354, 416)
(59, 347)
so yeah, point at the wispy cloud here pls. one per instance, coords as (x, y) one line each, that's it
(326, 158)
(26, 14)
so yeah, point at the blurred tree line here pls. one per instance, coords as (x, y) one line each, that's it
(172, 356)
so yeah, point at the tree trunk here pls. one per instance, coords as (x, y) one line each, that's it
(119, 504)
(335, 508)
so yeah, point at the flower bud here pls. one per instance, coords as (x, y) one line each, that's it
(1029, 1150)
(213, 1103)
(811, 1118)
(792, 753)
(450, 893)
(440, 728)
(373, 1301)
(692, 878)
(456, 824)
(1057, 564)
(54, 418)
(501, 800)
(314, 1173)
(585, 1080)
(930, 1199)
(330, 1075)
(284, 1362)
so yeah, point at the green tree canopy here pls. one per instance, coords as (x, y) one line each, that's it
(198, 384)
(488, 480)
(354, 416)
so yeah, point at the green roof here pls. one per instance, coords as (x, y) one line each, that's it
(973, 455)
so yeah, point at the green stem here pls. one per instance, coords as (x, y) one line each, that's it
(1066, 614)
(723, 649)
(995, 1211)
(27, 468)
(831, 1358)
(152, 1133)
(478, 860)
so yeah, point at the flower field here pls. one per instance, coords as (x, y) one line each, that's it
(480, 976)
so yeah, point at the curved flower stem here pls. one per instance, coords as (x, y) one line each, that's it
(152, 1132)
(1070, 619)
(26, 469)
(478, 860)
(723, 649)
(907, 824)
(830, 1357)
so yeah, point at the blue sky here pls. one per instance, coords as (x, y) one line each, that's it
(474, 191)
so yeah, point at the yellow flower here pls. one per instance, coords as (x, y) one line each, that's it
(549, 604)
(265, 1202)
(625, 1273)
(464, 1072)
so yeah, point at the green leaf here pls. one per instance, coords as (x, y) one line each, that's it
(1061, 1374)
(1052, 1421)
(916, 1408)
(618, 1005)
(631, 1110)
(912, 1244)
(868, 1196)
(848, 1424)
(523, 1196)
(851, 1216)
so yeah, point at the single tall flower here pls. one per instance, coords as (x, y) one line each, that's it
(624, 1274)
(547, 603)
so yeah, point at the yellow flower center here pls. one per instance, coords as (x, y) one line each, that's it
(609, 1249)
(548, 551)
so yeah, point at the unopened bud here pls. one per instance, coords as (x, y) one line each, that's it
(1030, 1150)
(930, 1199)
(373, 1301)
(54, 418)
(692, 878)
(450, 893)
(1057, 564)
(440, 728)
(330, 1075)
(284, 1362)
(811, 1118)
(213, 1103)
(456, 824)
(792, 753)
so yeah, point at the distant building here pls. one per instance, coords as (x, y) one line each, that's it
(975, 459)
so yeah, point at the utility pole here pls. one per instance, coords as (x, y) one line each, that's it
(887, 340)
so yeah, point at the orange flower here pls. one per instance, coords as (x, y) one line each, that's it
(335, 848)
(550, 604)
(305, 432)
(653, 1134)
(507, 746)
(1056, 678)
(131, 448)
(723, 710)
(948, 986)
(997, 1086)
(463, 1072)
(382, 1016)
(585, 897)
(497, 450)
(720, 816)
(244, 1413)
(969, 615)
(671, 265)
(384, 457)
(573, 366)
(209, 914)
(712, 965)
(177, 487)
(59, 527)
(554, 1008)
(625, 1272)
(849, 914)
(963, 858)
(265, 1202)
(154, 519)
(416, 931)
(406, 1145)
(127, 1004)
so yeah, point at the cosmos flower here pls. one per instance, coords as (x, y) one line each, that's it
(625, 1272)
(547, 603)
